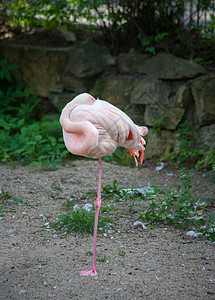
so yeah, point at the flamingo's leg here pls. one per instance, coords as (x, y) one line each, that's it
(93, 271)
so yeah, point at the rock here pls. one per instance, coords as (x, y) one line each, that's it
(89, 59)
(131, 63)
(71, 82)
(203, 90)
(60, 99)
(69, 36)
(160, 144)
(167, 66)
(172, 116)
(159, 99)
(57, 89)
(41, 68)
(136, 113)
(155, 92)
(204, 139)
(183, 96)
(114, 89)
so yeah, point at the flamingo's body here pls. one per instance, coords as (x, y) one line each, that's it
(95, 128)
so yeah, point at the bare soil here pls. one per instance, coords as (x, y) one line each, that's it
(161, 263)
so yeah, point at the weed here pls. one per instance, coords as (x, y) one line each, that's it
(8, 200)
(80, 222)
(157, 125)
(109, 190)
(58, 188)
(179, 207)
(5, 195)
(129, 198)
(209, 231)
(186, 150)
(68, 204)
(208, 161)
(23, 137)
(121, 253)
(149, 41)
(102, 259)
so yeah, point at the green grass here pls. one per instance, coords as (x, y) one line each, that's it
(80, 222)
(8, 202)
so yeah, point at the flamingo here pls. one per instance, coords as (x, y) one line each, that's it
(95, 128)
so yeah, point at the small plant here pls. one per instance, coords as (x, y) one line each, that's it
(25, 138)
(121, 252)
(149, 41)
(209, 231)
(127, 197)
(157, 125)
(179, 207)
(109, 190)
(8, 200)
(208, 162)
(80, 222)
(102, 259)
(5, 195)
(185, 133)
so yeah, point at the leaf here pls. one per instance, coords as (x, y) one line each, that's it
(38, 138)
(163, 217)
(201, 221)
(2, 62)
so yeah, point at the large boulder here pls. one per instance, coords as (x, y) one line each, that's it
(131, 62)
(40, 67)
(160, 144)
(76, 84)
(162, 66)
(115, 89)
(172, 116)
(160, 99)
(89, 59)
(68, 35)
(203, 90)
(59, 97)
(167, 66)
(204, 138)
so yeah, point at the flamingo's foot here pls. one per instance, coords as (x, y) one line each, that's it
(91, 272)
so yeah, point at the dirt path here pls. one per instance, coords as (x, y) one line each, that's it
(162, 263)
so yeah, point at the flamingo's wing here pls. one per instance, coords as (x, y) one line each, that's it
(107, 117)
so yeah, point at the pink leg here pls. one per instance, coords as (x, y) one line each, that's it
(93, 271)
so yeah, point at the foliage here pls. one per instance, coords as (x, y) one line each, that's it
(46, 13)
(208, 161)
(24, 138)
(128, 197)
(157, 124)
(210, 229)
(180, 207)
(186, 150)
(8, 200)
(102, 259)
(80, 222)
(149, 41)
(174, 25)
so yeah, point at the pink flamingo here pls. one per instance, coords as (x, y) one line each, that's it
(95, 128)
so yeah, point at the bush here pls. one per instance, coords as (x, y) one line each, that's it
(25, 138)
(175, 25)
(180, 207)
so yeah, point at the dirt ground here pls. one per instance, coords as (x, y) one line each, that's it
(161, 263)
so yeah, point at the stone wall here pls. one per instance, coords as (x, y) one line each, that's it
(147, 87)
